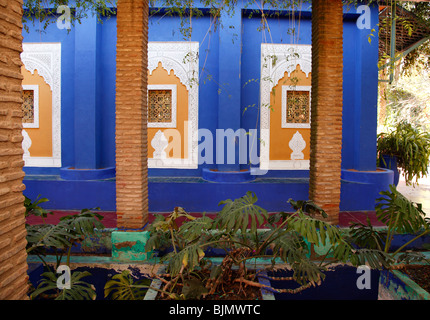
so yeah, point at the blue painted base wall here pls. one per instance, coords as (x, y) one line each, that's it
(198, 195)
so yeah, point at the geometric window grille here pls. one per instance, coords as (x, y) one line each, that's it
(298, 103)
(28, 106)
(160, 106)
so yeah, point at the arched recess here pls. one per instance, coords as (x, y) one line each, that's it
(45, 60)
(181, 61)
(285, 69)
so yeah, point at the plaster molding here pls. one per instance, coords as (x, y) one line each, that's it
(46, 59)
(276, 60)
(159, 143)
(183, 59)
(26, 143)
(297, 144)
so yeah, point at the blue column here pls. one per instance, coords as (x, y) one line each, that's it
(229, 102)
(367, 98)
(85, 129)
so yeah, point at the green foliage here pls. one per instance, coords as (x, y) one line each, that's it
(246, 232)
(401, 216)
(123, 287)
(44, 12)
(365, 235)
(49, 236)
(407, 103)
(79, 290)
(411, 146)
(85, 223)
(58, 239)
(34, 208)
(236, 215)
(419, 58)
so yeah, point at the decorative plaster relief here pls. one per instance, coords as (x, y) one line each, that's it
(183, 59)
(46, 59)
(26, 144)
(297, 144)
(159, 143)
(276, 60)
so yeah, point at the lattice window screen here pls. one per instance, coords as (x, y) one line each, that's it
(160, 106)
(298, 106)
(28, 106)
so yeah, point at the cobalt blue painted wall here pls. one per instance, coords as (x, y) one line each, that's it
(197, 195)
(252, 38)
(228, 98)
(360, 94)
(107, 70)
(67, 40)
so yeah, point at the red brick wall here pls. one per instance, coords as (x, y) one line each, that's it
(13, 264)
(131, 114)
(326, 127)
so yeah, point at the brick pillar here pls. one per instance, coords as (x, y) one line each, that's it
(131, 114)
(13, 256)
(326, 127)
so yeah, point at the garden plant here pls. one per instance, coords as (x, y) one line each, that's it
(411, 147)
(58, 240)
(246, 232)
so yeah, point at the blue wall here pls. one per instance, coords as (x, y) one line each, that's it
(228, 98)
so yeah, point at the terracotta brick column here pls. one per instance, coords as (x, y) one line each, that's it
(13, 256)
(326, 127)
(131, 114)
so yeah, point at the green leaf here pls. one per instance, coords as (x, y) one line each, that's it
(188, 258)
(123, 287)
(79, 289)
(238, 214)
(193, 229)
(376, 259)
(84, 223)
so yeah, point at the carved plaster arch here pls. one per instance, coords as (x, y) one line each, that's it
(276, 60)
(46, 59)
(183, 59)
